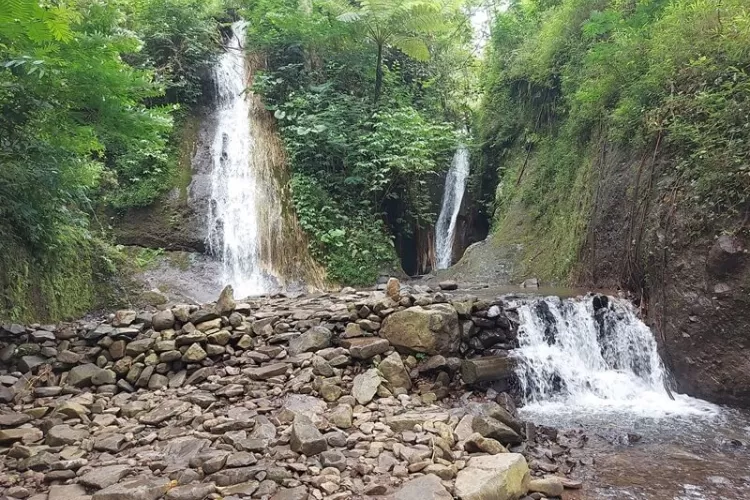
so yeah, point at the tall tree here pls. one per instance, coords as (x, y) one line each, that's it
(406, 25)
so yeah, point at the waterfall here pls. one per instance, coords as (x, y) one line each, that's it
(593, 355)
(445, 229)
(235, 216)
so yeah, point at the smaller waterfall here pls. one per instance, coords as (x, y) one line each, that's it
(453, 194)
(593, 355)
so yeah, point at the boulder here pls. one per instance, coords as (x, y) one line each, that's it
(163, 320)
(393, 370)
(314, 339)
(305, 437)
(431, 330)
(493, 477)
(427, 487)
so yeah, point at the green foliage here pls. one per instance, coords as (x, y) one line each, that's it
(364, 172)
(180, 42)
(654, 76)
(84, 120)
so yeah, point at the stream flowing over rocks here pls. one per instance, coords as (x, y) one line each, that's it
(348, 395)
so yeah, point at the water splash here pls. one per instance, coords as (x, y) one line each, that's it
(445, 229)
(593, 355)
(235, 214)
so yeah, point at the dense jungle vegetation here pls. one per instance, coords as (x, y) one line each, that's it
(371, 98)
(654, 80)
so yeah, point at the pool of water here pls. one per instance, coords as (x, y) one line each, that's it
(689, 455)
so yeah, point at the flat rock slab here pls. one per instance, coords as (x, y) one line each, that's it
(102, 477)
(366, 347)
(407, 421)
(366, 386)
(141, 488)
(164, 412)
(67, 492)
(427, 487)
(266, 372)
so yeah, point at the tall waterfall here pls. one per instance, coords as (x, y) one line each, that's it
(592, 354)
(235, 216)
(445, 229)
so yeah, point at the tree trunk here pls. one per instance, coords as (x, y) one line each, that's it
(379, 73)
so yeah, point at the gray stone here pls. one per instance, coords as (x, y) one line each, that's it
(67, 492)
(427, 487)
(393, 370)
(191, 492)
(226, 303)
(163, 320)
(366, 386)
(157, 381)
(124, 317)
(366, 347)
(194, 354)
(432, 330)
(229, 477)
(13, 419)
(137, 347)
(549, 486)
(25, 435)
(305, 437)
(266, 372)
(314, 339)
(164, 411)
(104, 377)
(80, 376)
(101, 477)
(493, 477)
(29, 363)
(109, 442)
(492, 428)
(68, 357)
(140, 488)
(61, 435)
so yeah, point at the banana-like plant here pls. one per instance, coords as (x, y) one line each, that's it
(406, 25)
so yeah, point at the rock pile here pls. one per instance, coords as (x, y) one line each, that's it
(340, 396)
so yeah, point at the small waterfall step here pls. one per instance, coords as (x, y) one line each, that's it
(592, 354)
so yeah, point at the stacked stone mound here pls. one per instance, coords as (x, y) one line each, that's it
(350, 395)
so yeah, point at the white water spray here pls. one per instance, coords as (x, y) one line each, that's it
(578, 356)
(445, 229)
(235, 214)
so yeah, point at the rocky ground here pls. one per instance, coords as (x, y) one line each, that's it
(348, 395)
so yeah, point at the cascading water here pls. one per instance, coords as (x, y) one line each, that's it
(235, 216)
(445, 229)
(593, 355)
